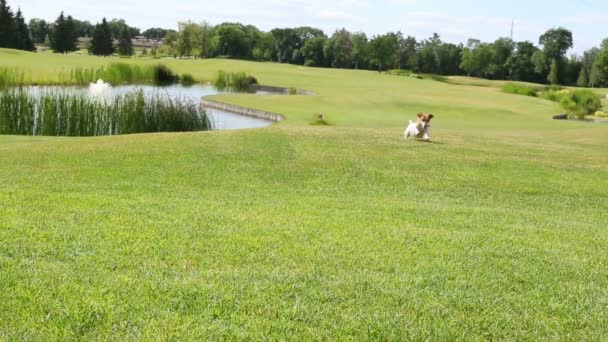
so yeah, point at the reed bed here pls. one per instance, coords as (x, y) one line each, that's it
(72, 113)
(121, 73)
(234, 81)
(10, 77)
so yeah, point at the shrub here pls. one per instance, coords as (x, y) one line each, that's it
(518, 89)
(438, 78)
(399, 72)
(601, 114)
(164, 75)
(319, 120)
(577, 103)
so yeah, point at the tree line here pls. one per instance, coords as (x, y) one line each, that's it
(14, 33)
(504, 59)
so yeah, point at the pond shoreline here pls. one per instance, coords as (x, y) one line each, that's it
(259, 114)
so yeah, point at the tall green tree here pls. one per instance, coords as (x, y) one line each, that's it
(556, 42)
(233, 40)
(553, 77)
(583, 78)
(383, 51)
(188, 36)
(117, 26)
(102, 43)
(8, 27)
(314, 52)
(338, 49)
(360, 50)
(520, 65)
(39, 30)
(599, 73)
(125, 45)
(23, 41)
(207, 41)
(63, 34)
(155, 33)
(407, 54)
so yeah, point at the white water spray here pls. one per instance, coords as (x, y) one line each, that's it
(100, 89)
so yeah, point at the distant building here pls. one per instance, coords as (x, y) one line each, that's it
(143, 42)
(138, 42)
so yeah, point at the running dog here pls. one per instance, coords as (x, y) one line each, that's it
(419, 129)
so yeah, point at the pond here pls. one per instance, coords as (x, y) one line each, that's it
(222, 120)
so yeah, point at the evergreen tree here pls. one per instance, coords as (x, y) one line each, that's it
(102, 43)
(71, 35)
(125, 45)
(7, 26)
(23, 40)
(554, 73)
(583, 78)
(63, 35)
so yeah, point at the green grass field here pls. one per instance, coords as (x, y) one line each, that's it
(495, 231)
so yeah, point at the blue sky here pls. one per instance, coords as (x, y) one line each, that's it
(455, 21)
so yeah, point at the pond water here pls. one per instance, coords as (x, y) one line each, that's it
(222, 120)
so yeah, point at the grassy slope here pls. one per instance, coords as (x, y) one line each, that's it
(495, 231)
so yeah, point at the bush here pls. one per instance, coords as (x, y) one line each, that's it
(577, 103)
(518, 89)
(601, 114)
(164, 75)
(399, 72)
(319, 120)
(438, 78)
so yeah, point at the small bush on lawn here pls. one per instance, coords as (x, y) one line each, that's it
(518, 89)
(577, 103)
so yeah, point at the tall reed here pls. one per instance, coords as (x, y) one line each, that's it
(121, 73)
(234, 81)
(58, 113)
(10, 77)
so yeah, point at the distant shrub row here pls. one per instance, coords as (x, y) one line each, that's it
(578, 103)
(408, 73)
(518, 89)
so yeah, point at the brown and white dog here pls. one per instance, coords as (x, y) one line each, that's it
(419, 129)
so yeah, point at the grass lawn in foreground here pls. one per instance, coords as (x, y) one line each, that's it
(496, 230)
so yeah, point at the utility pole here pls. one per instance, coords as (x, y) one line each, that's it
(512, 28)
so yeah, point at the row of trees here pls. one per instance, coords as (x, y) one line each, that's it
(14, 33)
(502, 59)
(41, 30)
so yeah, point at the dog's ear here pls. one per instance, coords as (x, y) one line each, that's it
(431, 116)
(420, 115)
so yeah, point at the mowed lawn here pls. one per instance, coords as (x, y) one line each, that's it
(495, 230)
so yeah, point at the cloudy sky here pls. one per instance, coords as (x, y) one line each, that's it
(454, 20)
